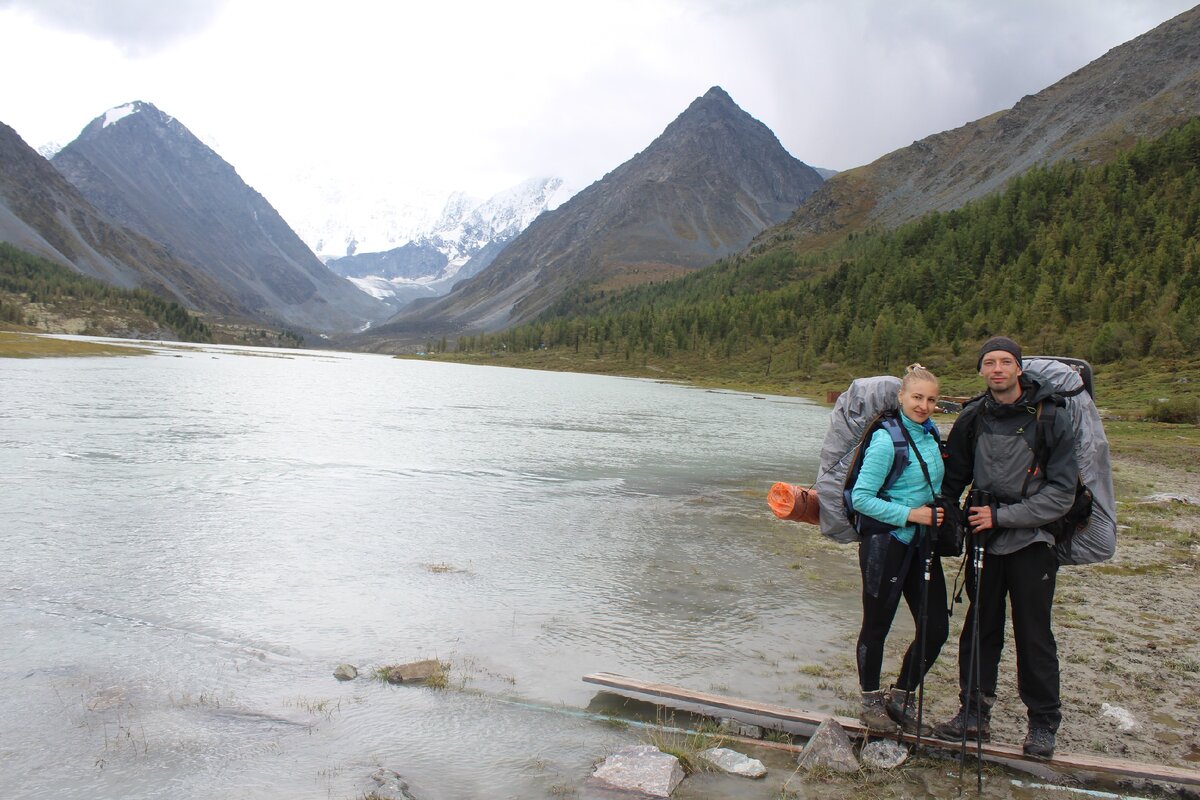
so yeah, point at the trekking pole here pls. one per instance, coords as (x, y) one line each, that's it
(973, 666)
(924, 624)
(978, 666)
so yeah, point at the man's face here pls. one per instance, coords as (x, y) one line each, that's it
(1001, 370)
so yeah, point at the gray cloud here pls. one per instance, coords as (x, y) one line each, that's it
(137, 27)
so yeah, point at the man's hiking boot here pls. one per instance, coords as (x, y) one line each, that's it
(976, 726)
(902, 707)
(1039, 742)
(874, 713)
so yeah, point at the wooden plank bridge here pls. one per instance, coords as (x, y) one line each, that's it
(662, 693)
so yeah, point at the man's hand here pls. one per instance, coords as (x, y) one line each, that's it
(980, 519)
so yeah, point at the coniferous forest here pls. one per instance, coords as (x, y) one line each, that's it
(28, 279)
(1098, 261)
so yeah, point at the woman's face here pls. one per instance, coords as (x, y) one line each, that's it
(919, 400)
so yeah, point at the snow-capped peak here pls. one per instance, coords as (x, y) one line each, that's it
(115, 115)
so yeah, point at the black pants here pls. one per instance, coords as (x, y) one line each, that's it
(1027, 579)
(880, 603)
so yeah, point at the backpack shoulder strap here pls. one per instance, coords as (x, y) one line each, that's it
(888, 421)
(891, 423)
(1043, 435)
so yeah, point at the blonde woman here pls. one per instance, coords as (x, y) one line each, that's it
(894, 555)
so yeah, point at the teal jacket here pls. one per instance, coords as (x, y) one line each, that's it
(910, 490)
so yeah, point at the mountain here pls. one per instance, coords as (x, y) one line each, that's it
(711, 181)
(146, 170)
(464, 240)
(43, 214)
(1136, 90)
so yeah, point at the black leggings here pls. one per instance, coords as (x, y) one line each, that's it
(879, 609)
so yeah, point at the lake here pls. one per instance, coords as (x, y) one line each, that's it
(194, 540)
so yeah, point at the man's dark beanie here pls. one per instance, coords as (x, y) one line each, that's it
(999, 343)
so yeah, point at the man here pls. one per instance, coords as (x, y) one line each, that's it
(994, 445)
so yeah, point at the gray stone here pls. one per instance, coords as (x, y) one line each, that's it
(830, 748)
(735, 727)
(640, 768)
(345, 672)
(884, 754)
(733, 762)
(415, 672)
(387, 784)
(1125, 720)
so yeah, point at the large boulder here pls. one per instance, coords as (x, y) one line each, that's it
(640, 768)
(733, 762)
(830, 748)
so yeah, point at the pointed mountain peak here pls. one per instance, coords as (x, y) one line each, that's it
(717, 95)
(715, 101)
(713, 107)
(123, 114)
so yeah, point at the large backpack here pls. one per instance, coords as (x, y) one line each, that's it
(855, 416)
(1096, 539)
(1088, 534)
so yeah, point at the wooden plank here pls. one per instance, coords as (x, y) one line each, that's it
(1072, 761)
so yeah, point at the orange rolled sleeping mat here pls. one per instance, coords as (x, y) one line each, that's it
(794, 502)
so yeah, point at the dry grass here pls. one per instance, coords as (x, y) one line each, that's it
(26, 345)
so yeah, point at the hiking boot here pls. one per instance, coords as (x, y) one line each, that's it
(1039, 742)
(967, 723)
(874, 713)
(902, 707)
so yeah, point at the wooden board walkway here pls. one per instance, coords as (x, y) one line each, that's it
(1007, 752)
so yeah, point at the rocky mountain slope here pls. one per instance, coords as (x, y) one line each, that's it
(1138, 89)
(43, 214)
(710, 182)
(468, 235)
(149, 172)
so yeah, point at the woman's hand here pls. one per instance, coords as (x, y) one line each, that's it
(925, 516)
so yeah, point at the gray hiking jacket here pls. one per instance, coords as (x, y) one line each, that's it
(991, 446)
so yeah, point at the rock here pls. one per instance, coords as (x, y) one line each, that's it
(387, 784)
(1164, 498)
(884, 754)
(1125, 720)
(733, 762)
(415, 672)
(345, 672)
(736, 727)
(830, 748)
(641, 768)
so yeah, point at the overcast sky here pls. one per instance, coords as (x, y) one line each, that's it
(477, 94)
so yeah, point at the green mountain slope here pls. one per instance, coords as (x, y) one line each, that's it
(34, 290)
(1102, 262)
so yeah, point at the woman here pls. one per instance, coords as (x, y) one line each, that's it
(893, 563)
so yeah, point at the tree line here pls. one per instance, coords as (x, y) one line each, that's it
(1101, 261)
(27, 278)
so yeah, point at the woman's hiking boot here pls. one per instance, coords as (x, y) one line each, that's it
(902, 707)
(968, 723)
(874, 713)
(1039, 742)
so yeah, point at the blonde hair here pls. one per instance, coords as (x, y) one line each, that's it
(917, 372)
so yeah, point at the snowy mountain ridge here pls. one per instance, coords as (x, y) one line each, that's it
(463, 240)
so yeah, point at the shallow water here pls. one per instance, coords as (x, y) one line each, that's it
(194, 540)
